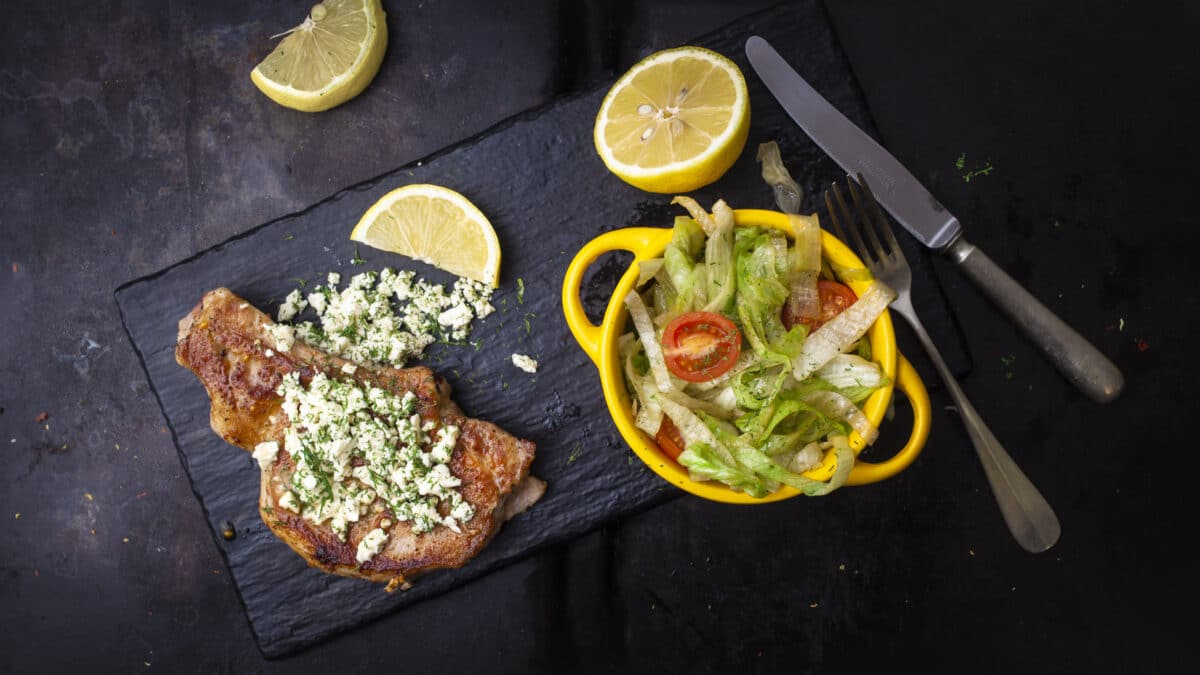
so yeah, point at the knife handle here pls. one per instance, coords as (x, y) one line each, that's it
(1075, 357)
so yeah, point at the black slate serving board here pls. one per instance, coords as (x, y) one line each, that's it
(538, 179)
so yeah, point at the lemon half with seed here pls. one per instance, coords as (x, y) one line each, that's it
(435, 225)
(327, 60)
(675, 122)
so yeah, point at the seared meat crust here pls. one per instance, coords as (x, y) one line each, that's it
(227, 344)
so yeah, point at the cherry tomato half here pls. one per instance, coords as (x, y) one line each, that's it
(669, 438)
(834, 298)
(699, 346)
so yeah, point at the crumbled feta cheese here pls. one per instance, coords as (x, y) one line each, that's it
(288, 501)
(265, 453)
(358, 447)
(284, 336)
(370, 545)
(268, 353)
(292, 305)
(361, 323)
(525, 363)
(349, 368)
(457, 316)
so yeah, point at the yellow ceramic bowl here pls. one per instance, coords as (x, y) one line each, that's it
(600, 343)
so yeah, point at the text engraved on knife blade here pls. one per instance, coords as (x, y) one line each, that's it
(879, 180)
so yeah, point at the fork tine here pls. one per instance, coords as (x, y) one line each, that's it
(881, 221)
(853, 225)
(836, 222)
(865, 219)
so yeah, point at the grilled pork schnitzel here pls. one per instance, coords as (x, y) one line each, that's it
(233, 349)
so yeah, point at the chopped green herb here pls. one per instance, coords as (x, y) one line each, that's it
(289, 237)
(973, 173)
(1121, 325)
(574, 453)
(357, 259)
(1008, 360)
(961, 163)
(520, 290)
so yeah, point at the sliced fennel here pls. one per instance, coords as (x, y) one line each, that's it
(719, 261)
(842, 331)
(853, 376)
(649, 415)
(804, 302)
(647, 269)
(788, 192)
(837, 406)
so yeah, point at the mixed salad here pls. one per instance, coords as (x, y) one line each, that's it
(748, 360)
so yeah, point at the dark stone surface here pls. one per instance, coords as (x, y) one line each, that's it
(131, 138)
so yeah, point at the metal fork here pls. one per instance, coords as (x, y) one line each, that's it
(1027, 514)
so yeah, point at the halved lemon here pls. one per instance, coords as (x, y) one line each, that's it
(435, 225)
(675, 122)
(327, 60)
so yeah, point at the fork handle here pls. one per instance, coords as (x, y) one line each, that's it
(1026, 512)
(1075, 357)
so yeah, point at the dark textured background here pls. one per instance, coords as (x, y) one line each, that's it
(522, 174)
(130, 138)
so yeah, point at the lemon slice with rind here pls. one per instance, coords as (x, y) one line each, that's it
(435, 225)
(675, 122)
(327, 60)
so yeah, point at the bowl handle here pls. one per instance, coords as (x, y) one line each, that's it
(636, 240)
(910, 383)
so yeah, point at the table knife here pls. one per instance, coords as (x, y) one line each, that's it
(920, 213)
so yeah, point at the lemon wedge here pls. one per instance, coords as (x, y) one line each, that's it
(327, 60)
(675, 122)
(435, 225)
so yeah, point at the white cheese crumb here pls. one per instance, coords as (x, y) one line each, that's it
(288, 501)
(269, 353)
(525, 363)
(457, 316)
(370, 545)
(349, 368)
(265, 453)
(361, 323)
(292, 305)
(284, 336)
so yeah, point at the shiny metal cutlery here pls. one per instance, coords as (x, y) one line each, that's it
(1026, 512)
(925, 218)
